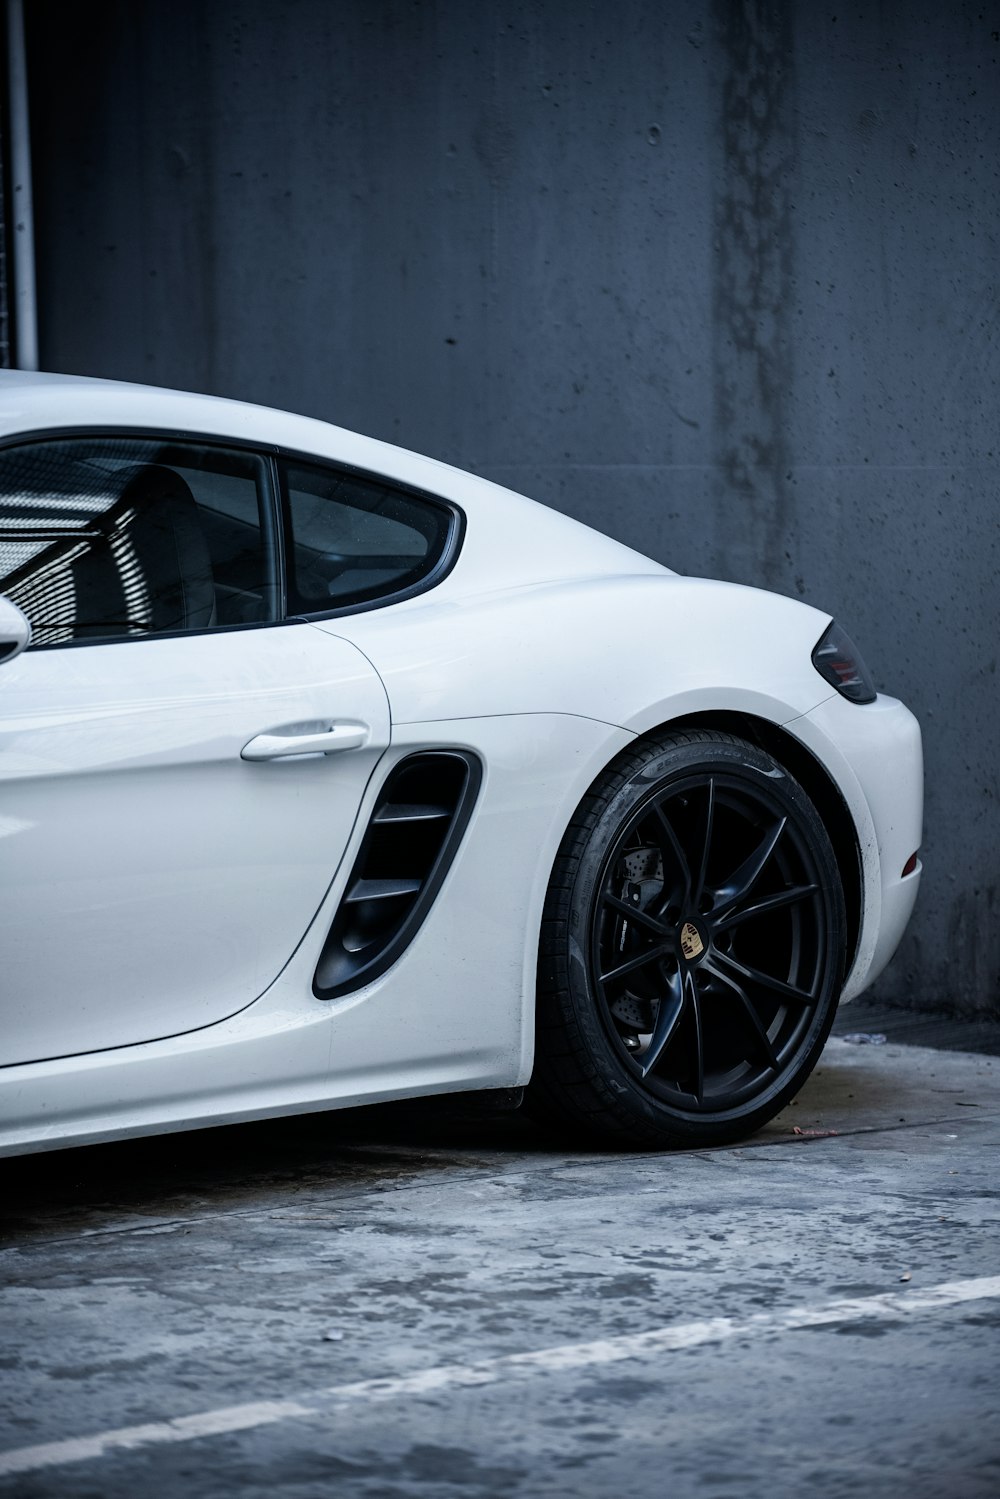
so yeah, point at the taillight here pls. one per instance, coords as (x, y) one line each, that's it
(838, 661)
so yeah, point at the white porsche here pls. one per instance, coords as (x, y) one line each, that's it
(330, 774)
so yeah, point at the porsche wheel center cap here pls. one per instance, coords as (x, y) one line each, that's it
(692, 942)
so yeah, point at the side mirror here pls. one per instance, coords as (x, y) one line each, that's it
(15, 631)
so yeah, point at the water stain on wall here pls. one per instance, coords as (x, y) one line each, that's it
(753, 283)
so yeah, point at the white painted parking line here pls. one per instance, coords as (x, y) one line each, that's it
(893, 1305)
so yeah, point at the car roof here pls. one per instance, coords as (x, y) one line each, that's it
(511, 540)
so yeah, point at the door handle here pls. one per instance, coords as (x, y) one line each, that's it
(305, 739)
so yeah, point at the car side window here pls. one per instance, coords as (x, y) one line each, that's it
(352, 541)
(106, 538)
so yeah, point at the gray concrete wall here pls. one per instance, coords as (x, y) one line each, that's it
(720, 280)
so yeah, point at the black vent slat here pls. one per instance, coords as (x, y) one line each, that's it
(415, 829)
(364, 890)
(410, 812)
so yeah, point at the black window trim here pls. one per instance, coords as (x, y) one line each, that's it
(269, 453)
(277, 526)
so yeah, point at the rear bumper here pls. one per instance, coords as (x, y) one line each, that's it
(874, 754)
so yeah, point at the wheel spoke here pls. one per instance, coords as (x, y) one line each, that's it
(691, 990)
(732, 965)
(699, 886)
(672, 844)
(789, 897)
(649, 956)
(751, 1013)
(668, 1015)
(742, 880)
(642, 918)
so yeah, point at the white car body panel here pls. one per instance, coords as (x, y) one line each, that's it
(451, 654)
(457, 1013)
(143, 840)
(863, 752)
(545, 651)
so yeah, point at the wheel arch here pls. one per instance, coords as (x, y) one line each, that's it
(815, 781)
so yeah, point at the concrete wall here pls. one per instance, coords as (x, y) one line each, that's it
(720, 280)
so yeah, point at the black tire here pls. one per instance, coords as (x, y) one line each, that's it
(692, 947)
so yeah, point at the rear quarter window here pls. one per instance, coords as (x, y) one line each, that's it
(352, 541)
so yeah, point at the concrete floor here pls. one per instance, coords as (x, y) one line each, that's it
(154, 1285)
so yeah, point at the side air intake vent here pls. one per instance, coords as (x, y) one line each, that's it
(417, 825)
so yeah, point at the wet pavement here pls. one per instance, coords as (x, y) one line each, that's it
(424, 1300)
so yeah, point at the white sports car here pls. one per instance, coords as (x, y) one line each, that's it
(330, 774)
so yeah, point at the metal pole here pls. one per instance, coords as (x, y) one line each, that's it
(25, 305)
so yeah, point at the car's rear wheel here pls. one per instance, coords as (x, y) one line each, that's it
(692, 948)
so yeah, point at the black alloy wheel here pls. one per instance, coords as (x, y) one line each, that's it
(692, 948)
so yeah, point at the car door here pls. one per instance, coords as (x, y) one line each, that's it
(180, 769)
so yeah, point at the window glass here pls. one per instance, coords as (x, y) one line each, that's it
(353, 540)
(109, 538)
